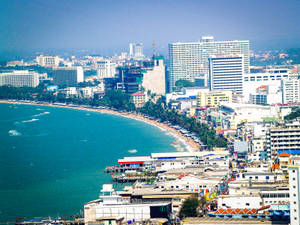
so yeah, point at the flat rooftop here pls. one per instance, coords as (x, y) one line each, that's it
(214, 221)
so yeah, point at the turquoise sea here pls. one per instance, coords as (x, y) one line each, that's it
(52, 159)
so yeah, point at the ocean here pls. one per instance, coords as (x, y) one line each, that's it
(52, 160)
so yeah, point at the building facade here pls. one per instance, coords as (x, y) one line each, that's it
(19, 78)
(284, 139)
(226, 73)
(48, 61)
(190, 60)
(154, 79)
(294, 181)
(213, 98)
(290, 90)
(68, 76)
(106, 69)
(138, 99)
(136, 50)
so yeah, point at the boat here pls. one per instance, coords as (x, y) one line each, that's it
(132, 151)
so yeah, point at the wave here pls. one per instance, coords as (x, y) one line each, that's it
(29, 121)
(14, 133)
(41, 114)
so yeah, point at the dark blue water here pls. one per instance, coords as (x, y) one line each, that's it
(52, 159)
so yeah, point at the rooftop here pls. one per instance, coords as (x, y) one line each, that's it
(209, 220)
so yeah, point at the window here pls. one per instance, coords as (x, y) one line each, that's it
(247, 204)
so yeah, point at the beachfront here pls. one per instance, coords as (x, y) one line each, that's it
(188, 142)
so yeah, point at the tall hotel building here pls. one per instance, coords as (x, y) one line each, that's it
(191, 59)
(69, 76)
(226, 73)
(19, 78)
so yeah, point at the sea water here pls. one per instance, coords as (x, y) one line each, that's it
(52, 160)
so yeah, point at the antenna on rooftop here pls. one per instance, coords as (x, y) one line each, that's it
(154, 48)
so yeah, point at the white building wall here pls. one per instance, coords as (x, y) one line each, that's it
(226, 73)
(154, 79)
(20, 78)
(241, 202)
(80, 74)
(290, 91)
(294, 181)
(106, 69)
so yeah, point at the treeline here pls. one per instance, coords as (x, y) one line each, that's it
(293, 115)
(120, 101)
(206, 134)
(116, 99)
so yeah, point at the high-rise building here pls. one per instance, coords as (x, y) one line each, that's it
(68, 76)
(226, 73)
(19, 78)
(48, 61)
(154, 77)
(190, 60)
(136, 50)
(290, 90)
(106, 69)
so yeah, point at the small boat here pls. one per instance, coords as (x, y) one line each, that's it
(132, 151)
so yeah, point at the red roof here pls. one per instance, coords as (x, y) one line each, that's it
(182, 175)
(138, 94)
(235, 211)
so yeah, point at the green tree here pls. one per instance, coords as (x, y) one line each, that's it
(189, 207)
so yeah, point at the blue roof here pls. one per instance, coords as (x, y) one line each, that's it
(291, 152)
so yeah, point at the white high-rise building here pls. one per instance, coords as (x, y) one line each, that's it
(20, 78)
(106, 69)
(136, 50)
(48, 61)
(190, 60)
(290, 90)
(131, 49)
(226, 73)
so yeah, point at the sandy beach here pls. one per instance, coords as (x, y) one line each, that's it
(189, 143)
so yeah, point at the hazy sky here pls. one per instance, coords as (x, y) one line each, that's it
(112, 24)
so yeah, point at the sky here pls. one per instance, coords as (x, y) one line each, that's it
(110, 25)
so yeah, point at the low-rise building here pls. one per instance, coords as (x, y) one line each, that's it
(111, 204)
(213, 98)
(138, 99)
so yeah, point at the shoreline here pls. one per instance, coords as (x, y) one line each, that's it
(190, 144)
